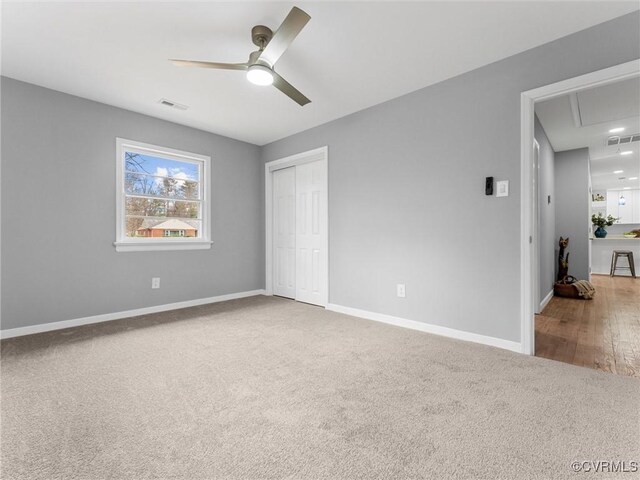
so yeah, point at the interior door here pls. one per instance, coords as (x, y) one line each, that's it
(311, 233)
(284, 238)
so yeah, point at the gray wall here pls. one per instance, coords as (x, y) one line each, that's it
(573, 207)
(406, 198)
(58, 212)
(547, 212)
(406, 187)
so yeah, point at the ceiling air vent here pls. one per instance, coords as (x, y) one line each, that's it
(169, 103)
(616, 140)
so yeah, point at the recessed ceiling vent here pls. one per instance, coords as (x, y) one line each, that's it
(169, 103)
(617, 140)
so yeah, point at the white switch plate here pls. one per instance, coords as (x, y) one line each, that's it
(400, 288)
(502, 188)
(155, 282)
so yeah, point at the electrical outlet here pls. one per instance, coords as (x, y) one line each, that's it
(401, 291)
(155, 282)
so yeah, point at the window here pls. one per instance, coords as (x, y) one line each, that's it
(162, 197)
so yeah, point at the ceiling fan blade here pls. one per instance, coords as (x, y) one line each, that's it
(289, 90)
(221, 66)
(288, 31)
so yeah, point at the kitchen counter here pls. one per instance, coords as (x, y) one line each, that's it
(614, 237)
(602, 251)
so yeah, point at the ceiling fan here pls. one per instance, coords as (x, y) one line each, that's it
(260, 66)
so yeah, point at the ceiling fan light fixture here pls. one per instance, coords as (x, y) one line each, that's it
(260, 75)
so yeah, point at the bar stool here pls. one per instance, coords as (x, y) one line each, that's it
(629, 257)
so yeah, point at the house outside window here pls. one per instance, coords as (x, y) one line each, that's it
(162, 198)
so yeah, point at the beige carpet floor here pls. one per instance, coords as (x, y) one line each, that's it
(270, 388)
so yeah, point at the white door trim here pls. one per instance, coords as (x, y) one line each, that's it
(321, 153)
(536, 213)
(527, 223)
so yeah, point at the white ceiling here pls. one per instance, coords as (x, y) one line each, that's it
(351, 55)
(587, 122)
(615, 101)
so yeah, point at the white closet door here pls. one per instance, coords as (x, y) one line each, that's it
(284, 227)
(311, 233)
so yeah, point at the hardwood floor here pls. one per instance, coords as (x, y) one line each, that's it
(603, 333)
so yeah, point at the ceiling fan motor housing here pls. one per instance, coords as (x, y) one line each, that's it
(254, 59)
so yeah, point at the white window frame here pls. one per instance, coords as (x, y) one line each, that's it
(141, 244)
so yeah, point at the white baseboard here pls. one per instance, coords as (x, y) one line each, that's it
(618, 273)
(428, 328)
(545, 301)
(47, 327)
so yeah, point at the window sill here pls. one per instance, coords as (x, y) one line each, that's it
(161, 246)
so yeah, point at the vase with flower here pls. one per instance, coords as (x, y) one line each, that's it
(601, 221)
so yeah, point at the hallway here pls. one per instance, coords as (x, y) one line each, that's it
(603, 333)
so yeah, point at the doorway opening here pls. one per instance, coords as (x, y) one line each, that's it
(297, 224)
(587, 106)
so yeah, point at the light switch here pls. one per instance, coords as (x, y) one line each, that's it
(502, 188)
